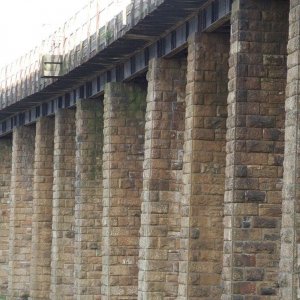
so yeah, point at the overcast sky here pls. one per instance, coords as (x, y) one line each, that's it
(24, 23)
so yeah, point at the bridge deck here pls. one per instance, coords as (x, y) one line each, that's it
(120, 57)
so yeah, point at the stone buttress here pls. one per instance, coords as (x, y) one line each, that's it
(5, 177)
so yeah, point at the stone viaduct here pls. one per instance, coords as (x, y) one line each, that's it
(156, 158)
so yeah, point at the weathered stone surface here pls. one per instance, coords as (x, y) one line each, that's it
(88, 199)
(124, 123)
(5, 177)
(162, 182)
(132, 204)
(40, 269)
(254, 148)
(20, 225)
(62, 252)
(204, 168)
(290, 234)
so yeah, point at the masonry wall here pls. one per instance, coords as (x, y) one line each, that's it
(162, 180)
(88, 199)
(204, 167)
(289, 262)
(255, 133)
(124, 122)
(5, 177)
(63, 220)
(40, 269)
(20, 222)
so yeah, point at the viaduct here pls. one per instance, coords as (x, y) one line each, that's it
(155, 158)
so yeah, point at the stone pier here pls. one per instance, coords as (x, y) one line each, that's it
(204, 167)
(20, 224)
(162, 180)
(88, 199)
(5, 177)
(63, 219)
(42, 210)
(255, 133)
(123, 156)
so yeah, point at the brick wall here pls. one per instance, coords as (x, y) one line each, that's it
(42, 210)
(5, 177)
(162, 180)
(257, 79)
(20, 225)
(122, 185)
(62, 259)
(204, 167)
(289, 263)
(88, 198)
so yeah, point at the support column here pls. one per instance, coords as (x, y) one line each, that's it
(5, 177)
(88, 198)
(204, 167)
(42, 210)
(257, 80)
(162, 180)
(63, 235)
(290, 232)
(20, 226)
(122, 185)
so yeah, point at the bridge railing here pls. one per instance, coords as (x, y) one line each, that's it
(89, 31)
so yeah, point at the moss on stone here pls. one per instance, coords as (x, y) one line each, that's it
(136, 101)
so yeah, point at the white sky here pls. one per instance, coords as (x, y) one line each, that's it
(24, 23)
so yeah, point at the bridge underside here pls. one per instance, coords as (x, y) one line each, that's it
(179, 181)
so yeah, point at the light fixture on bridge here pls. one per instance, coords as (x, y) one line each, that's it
(52, 66)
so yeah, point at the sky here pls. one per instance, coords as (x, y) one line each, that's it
(24, 23)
